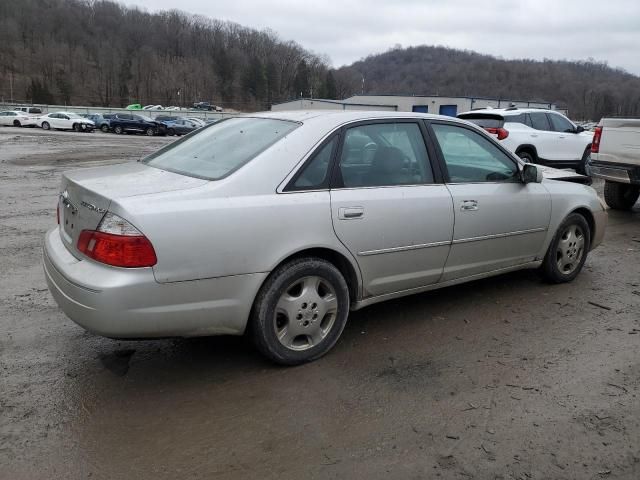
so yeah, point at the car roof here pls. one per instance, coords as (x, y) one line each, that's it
(339, 117)
(505, 112)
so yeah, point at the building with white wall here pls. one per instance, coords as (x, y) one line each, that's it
(410, 103)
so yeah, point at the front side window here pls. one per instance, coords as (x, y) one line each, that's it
(539, 121)
(470, 157)
(384, 154)
(220, 149)
(561, 124)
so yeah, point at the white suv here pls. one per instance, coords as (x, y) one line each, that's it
(536, 135)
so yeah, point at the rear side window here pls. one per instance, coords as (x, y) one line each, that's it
(522, 118)
(384, 154)
(220, 149)
(539, 121)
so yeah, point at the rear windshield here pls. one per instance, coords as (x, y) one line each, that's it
(484, 121)
(221, 148)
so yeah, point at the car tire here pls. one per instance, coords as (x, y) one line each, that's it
(16, 123)
(568, 250)
(46, 126)
(621, 196)
(150, 132)
(300, 311)
(171, 132)
(582, 166)
(77, 127)
(118, 130)
(105, 128)
(526, 157)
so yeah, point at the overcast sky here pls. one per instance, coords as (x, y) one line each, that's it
(348, 30)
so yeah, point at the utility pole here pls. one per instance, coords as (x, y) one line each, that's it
(363, 85)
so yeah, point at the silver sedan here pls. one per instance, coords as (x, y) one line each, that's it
(279, 224)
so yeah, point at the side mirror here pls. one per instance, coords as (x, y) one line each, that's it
(531, 173)
(579, 129)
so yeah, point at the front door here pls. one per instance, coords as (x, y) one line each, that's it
(499, 221)
(389, 209)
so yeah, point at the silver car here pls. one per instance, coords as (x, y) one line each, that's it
(278, 224)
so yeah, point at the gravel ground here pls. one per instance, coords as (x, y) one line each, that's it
(502, 378)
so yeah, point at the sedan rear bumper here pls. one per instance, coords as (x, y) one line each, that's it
(129, 303)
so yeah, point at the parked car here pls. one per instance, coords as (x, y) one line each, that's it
(278, 224)
(615, 157)
(167, 118)
(65, 121)
(181, 127)
(31, 110)
(536, 135)
(134, 106)
(198, 121)
(172, 108)
(135, 123)
(101, 121)
(17, 119)
(153, 107)
(206, 106)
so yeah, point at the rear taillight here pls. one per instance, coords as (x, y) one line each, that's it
(500, 132)
(595, 143)
(118, 243)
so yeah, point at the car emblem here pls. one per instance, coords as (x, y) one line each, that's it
(92, 207)
(67, 203)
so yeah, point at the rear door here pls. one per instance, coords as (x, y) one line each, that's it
(500, 222)
(389, 207)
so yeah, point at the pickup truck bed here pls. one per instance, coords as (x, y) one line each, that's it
(615, 157)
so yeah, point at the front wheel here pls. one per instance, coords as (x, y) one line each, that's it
(104, 128)
(150, 132)
(118, 129)
(584, 162)
(300, 311)
(621, 196)
(568, 250)
(77, 127)
(171, 132)
(16, 123)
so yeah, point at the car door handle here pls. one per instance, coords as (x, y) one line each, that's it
(349, 213)
(469, 205)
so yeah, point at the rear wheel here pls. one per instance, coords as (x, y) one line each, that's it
(118, 129)
(300, 311)
(568, 250)
(526, 156)
(586, 157)
(171, 132)
(621, 196)
(46, 126)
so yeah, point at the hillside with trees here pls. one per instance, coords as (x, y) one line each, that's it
(102, 53)
(589, 89)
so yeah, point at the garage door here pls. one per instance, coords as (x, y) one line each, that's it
(449, 110)
(421, 108)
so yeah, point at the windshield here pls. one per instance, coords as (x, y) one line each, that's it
(144, 117)
(216, 151)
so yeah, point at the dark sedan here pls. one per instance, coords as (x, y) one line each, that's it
(181, 127)
(135, 123)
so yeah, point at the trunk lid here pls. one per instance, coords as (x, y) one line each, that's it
(86, 194)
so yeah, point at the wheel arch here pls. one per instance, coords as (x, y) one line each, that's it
(588, 216)
(527, 147)
(347, 267)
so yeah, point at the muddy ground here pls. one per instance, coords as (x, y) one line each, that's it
(503, 378)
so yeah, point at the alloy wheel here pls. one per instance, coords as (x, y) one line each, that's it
(570, 249)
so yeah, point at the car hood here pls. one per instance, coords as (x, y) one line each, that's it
(551, 173)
